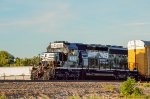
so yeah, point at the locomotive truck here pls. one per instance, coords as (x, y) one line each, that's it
(78, 61)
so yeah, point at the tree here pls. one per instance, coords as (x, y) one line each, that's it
(19, 62)
(27, 62)
(6, 58)
(35, 60)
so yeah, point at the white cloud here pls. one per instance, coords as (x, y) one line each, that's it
(30, 21)
(136, 24)
(46, 20)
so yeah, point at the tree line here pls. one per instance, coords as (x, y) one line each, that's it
(7, 59)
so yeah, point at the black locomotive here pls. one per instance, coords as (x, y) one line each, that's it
(77, 61)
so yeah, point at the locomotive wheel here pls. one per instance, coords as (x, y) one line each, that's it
(66, 76)
(116, 77)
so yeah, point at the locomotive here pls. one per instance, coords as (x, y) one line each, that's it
(78, 61)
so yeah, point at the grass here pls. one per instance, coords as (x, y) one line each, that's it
(109, 88)
(3, 96)
(145, 84)
(135, 97)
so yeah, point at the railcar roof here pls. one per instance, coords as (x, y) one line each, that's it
(147, 43)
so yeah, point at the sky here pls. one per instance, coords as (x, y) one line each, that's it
(28, 26)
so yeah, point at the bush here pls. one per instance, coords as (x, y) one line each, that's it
(137, 92)
(128, 88)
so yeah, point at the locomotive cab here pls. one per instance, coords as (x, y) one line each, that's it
(55, 59)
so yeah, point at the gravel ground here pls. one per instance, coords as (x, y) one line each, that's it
(60, 90)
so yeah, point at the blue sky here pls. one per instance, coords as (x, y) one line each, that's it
(27, 27)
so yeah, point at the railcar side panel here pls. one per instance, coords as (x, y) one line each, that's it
(147, 69)
(131, 59)
(141, 61)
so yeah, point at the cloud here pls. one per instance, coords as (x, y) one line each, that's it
(31, 21)
(136, 24)
(43, 21)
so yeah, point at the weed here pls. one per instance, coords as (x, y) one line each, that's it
(146, 84)
(3, 96)
(109, 88)
(128, 88)
(73, 97)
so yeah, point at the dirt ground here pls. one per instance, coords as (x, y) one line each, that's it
(61, 90)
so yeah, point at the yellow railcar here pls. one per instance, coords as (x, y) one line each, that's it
(139, 57)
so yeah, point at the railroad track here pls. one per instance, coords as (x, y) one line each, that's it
(56, 89)
(61, 81)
